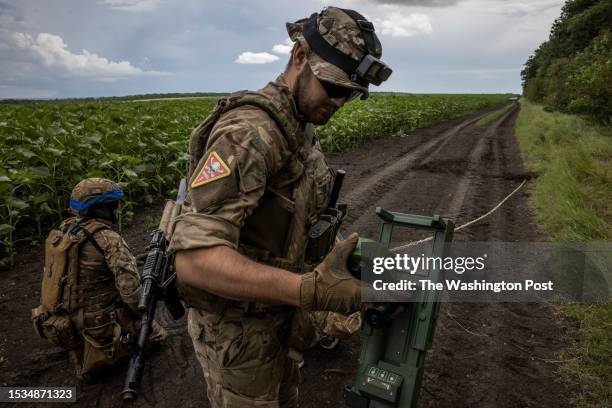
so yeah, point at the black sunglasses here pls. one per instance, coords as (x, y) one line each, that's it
(337, 91)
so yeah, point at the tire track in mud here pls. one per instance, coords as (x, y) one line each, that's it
(383, 180)
(484, 355)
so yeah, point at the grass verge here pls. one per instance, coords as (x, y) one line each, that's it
(573, 201)
(493, 116)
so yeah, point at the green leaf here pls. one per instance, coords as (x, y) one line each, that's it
(45, 208)
(54, 151)
(76, 163)
(139, 183)
(37, 199)
(130, 173)
(25, 152)
(39, 171)
(17, 203)
(6, 228)
(140, 168)
(94, 138)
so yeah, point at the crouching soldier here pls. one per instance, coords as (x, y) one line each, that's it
(90, 283)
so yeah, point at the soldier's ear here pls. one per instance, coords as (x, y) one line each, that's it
(298, 57)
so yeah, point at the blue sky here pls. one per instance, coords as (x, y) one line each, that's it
(77, 48)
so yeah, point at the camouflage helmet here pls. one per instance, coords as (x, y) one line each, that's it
(92, 191)
(338, 42)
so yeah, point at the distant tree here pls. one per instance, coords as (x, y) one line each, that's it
(572, 70)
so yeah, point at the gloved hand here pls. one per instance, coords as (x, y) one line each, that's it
(330, 286)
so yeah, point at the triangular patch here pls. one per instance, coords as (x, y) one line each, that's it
(214, 168)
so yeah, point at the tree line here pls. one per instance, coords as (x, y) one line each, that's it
(572, 71)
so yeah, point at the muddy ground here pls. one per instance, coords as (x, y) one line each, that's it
(484, 355)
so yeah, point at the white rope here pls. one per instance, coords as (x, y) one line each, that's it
(409, 244)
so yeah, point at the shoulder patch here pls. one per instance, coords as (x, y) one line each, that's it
(213, 169)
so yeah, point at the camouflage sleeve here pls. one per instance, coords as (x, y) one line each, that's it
(244, 149)
(122, 263)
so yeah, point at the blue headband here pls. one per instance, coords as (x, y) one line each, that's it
(85, 205)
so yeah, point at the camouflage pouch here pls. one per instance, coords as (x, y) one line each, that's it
(102, 346)
(57, 246)
(168, 218)
(57, 328)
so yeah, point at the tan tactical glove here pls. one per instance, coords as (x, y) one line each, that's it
(330, 286)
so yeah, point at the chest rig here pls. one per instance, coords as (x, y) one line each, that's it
(75, 275)
(276, 233)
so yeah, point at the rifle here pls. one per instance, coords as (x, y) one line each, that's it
(158, 281)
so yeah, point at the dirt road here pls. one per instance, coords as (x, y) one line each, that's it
(484, 355)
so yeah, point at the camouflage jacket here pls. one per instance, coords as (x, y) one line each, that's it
(256, 189)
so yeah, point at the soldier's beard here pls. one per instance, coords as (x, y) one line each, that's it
(312, 111)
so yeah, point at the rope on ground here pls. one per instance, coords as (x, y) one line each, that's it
(409, 244)
(463, 327)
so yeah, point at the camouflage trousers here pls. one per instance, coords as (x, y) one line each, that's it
(252, 361)
(244, 360)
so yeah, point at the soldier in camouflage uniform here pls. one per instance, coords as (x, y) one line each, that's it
(91, 285)
(258, 181)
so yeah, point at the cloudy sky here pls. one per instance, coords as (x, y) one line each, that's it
(76, 48)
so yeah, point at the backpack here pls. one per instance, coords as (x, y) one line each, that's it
(51, 320)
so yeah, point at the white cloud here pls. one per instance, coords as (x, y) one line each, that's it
(255, 58)
(284, 48)
(395, 22)
(357, 5)
(360, 5)
(522, 9)
(421, 3)
(131, 5)
(51, 52)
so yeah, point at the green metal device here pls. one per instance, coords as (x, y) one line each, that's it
(397, 335)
